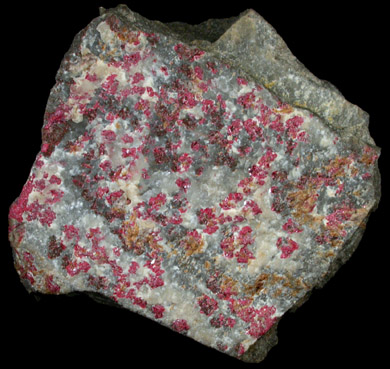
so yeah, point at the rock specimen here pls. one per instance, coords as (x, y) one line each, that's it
(197, 175)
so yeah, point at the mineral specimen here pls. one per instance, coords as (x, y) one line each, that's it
(197, 175)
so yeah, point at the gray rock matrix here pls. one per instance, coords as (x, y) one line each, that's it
(250, 45)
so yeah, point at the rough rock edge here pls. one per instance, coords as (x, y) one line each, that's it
(250, 43)
(265, 51)
(221, 38)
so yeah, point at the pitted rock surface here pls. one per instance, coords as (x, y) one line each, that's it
(197, 175)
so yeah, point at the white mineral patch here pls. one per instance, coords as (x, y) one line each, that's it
(105, 33)
(264, 252)
(130, 189)
(90, 220)
(326, 140)
(190, 220)
(330, 192)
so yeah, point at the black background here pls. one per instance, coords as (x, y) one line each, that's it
(345, 323)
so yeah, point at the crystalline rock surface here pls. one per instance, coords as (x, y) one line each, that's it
(197, 175)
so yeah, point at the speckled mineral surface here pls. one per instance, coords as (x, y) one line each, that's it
(197, 175)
